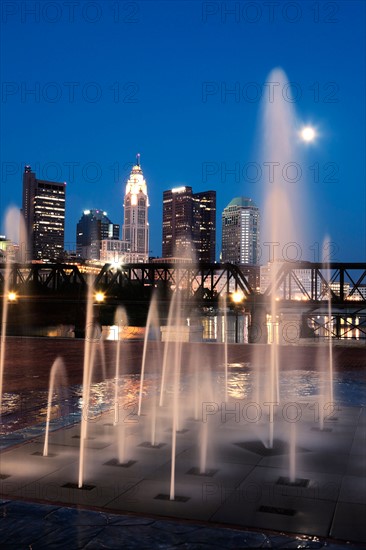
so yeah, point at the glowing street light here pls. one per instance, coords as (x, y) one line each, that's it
(12, 296)
(99, 297)
(237, 297)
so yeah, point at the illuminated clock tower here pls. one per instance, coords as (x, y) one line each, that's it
(135, 223)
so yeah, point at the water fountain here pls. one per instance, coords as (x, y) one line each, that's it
(228, 463)
(89, 355)
(281, 213)
(151, 322)
(11, 220)
(120, 320)
(4, 318)
(324, 358)
(57, 370)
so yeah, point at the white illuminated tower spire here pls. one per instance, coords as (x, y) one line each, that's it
(135, 224)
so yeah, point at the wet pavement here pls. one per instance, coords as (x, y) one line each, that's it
(28, 523)
(120, 511)
(32, 526)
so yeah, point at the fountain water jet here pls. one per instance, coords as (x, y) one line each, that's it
(4, 318)
(175, 415)
(89, 354)
(176, 315)
(225, 354)
(167, 346)
(120, 319)
(282, 204)
(330, 351)
(57, 369)
(292, 452)
(207, 396)
(12, 220)
(152, 320)
(325, 353)
(153, 420)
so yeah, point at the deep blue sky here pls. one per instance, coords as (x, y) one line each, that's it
(160, 55)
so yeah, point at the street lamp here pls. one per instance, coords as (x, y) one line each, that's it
(12, 296)
(237, 298)
(99, 297)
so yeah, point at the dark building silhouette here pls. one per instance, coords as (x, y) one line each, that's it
(43, 211)
(93, 227)
(189, 224)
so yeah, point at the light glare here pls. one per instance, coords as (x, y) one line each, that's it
(99, 297)
(237, 297)
(12, 296)
(308, 133)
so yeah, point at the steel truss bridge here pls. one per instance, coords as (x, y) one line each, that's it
(305, 286)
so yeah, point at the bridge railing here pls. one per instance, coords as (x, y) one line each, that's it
(344, 283)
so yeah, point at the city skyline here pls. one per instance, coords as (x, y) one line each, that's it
(78, 110)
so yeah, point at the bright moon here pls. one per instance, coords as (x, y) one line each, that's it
(308, 133)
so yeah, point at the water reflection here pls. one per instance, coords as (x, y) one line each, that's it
(28, 408)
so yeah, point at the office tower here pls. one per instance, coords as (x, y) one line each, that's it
(204, 213)
(43, 211)
(189, 224)
(240, 232)
(178, 223)
(93, 227)
(135, 221)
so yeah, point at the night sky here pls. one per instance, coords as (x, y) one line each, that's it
(111, 79)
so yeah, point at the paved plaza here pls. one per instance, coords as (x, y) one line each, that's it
(245, 486)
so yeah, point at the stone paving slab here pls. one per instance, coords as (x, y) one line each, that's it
(243, 491)
(33, 526)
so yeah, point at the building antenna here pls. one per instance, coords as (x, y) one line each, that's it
(138, 159)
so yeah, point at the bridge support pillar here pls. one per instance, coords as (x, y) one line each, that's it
(257, 330)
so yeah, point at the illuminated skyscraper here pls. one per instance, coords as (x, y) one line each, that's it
(240, 232)
(178, 223)
(93, 227)
(135, 222)
(43, 210)
(204, 212)
(189, 224)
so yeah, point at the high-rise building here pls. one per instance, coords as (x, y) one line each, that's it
(189, 224)
(204, 213)
(93, 227)
(240, 232)
(43, 211)
(178, 223)
(135, 221)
